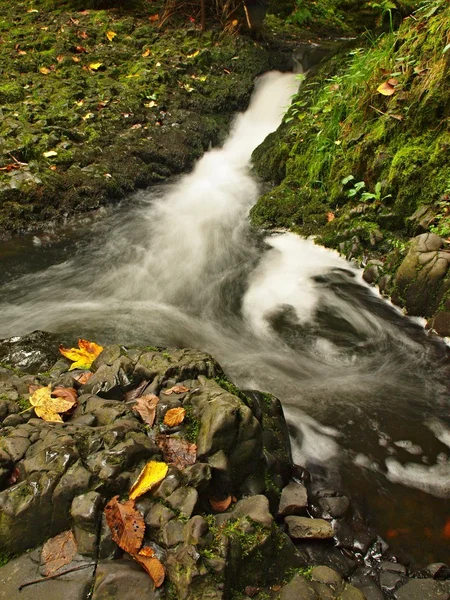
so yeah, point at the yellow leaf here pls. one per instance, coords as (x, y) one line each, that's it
(386, 89)
(95, 66)
(87, 116)
(83, 356)
(50, 153)
(146, 53)
(150, 476)
(44, 70)
(111, 35)
(46, 407)
(174, 416)
(194, 54)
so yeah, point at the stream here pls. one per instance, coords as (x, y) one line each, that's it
(365, 389)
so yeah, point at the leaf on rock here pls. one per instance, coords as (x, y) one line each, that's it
(174, 416)
(46, 407)
(66, 393)
(137, 392)
(176, 389)
(111, 35)
(386, 89)
(83, 378)
(58, 552)
(147, 551)
(177, 452)
(150, 476)
(126, 524)
(83, 356)
(153, 566)
(220, 505)
(146, 407)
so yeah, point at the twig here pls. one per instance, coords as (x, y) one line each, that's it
(22, 164)
(56, 575)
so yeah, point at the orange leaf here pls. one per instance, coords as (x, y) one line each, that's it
(146, 407)
(176, 451)
(153, 566)
(83, 378)
(330, 216)
(75, 59)
(146, 551)
(126, 524)
(220, 505)
(58, 552)
(174, 416)
(84, 355)
(176, 389)
(146, 53)
(154, 18)
(66, 393)
(386, 89)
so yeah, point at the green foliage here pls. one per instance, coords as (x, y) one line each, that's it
(5, 557)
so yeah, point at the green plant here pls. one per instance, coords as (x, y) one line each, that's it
(365, 196)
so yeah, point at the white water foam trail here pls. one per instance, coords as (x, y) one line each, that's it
(182, 267)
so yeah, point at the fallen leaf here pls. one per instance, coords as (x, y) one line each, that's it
(146, 53)
(83, 35)
(153, 566)
(58, 552)
(330, 216)
(75, 21)
(76, 59)
(49, 153)
(176, 451)
(150, 476)
(220, 505)
(80, 49)
(386, 89)
(95, 66)
(84, 12)
(46, 407)
(60, 58)
(111, 35)
(84, 355)
(174, 416)
(83, 378)
(126, 524)
(396, 117)
(194, 54)
(147, 551)
(66, 393)
(393, 81)
(137, 392)
(32, 10)
(154, 18)
(53, 167)
(44, 70)
(150, 104)
(146, 407)
(21, 52)
(176, 389)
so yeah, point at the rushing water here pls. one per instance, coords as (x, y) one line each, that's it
(364, 388)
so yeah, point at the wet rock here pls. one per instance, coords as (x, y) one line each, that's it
(107, 357)
(183, 500)
(352, 593)
(198, 476)
(15, 447)
(13, 420)
(180, 364)
(255, 508)
(122, 579)
(335, 507)
(328, 577)
(305, 528)
(31, 353)
(85, 510)
(106, 411)
(195, 530)
(158, 516)
(389, 581)
(438, 571)
(111, 381)
(299, 587)
(423, 589)
(294, 500)
(173, 533)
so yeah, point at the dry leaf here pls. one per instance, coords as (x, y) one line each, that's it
(21, 52)
(154, 18)
(176, 389)
(137, 392)
(80, 49)
(44, 70)
(111, 35)
(58, 552)
(386, 89)
(83, 35)
(95, 66)
(147, 551)
(14, 477)
(176, 451)
(396, 117)
(60, 58)
(150, 476)
(146, 407)
(126, 523)
(46, 407)
(393, 81)
(84, 356)
(220, 505)
(174, 416)
(83, 378)
(146, 53)
(66, 393)
(50, 153)
(153, 566)
(194, 54)
(330, 216)
(75, 59)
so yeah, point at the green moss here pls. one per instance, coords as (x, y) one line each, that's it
(5, 557)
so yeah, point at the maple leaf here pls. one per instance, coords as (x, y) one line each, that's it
(46, 407)
(176, 451)
(152, 565)
(83, 356)
(174, 416)
(176, 389)
(126, 524)
(58, 552)
(150, 476)
(146, 407)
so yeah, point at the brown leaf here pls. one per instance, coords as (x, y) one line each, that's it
(67, 393)
(14, 477)
(154, 18)
(177, 451)
(396, 117)
(393, 81)
(153, 566)
(146, 407)
(83, 35)
(147, 551)
(174, 416)
(176, 389)
(330, 216)
(220, 505)
(386, 89)
(83, 378)
(137, 392)
(126, 523)
(58, 552)
(80, 49)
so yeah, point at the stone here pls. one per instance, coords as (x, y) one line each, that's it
(423, 589)
(111, 381)
(85, 510)
(298, 588)
(327, 576)
(87, 541)
(255, 508)
(303, 527)
(198, 476)
(14, 447)
(122, 579)
(438, 571)
(389, 581)
(183, 500)
(33, 353)
(106, 411)
(173, 533)
(158, 516)
(352, 593)
(335, 507)
(294, 500)
(195, 530)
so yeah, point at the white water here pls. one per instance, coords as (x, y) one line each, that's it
(181, 267)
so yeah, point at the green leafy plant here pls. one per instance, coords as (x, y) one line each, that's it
(365, 196)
